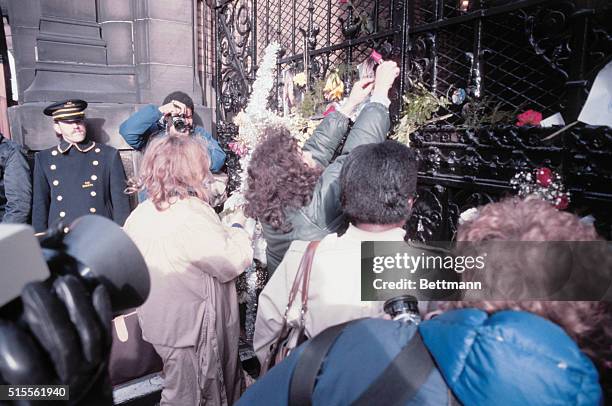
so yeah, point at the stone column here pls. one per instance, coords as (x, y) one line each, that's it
(164, 49)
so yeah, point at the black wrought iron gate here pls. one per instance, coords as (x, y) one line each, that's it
(530, 54)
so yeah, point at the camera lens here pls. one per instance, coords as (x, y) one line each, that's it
(404, 308)
(179, 123)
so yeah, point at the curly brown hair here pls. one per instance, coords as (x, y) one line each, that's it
(531, 219)
(278, 179)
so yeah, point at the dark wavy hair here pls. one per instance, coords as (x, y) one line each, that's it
(182, 97)
(278, 179)
(377, 182)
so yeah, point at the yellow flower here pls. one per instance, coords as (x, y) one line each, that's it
(334, 88)
(300, 79)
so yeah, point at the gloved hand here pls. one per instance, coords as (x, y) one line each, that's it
(63, 337)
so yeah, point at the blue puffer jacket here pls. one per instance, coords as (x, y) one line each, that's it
(508, 358)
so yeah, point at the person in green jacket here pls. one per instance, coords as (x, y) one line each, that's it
(295, 193)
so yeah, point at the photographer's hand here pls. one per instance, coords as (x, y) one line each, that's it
(174, 108)
(65, 339)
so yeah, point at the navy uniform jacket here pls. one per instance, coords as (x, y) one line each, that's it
(72, 180)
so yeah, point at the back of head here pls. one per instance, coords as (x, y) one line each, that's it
(174, 168)
(377, 183)
(529, 219)
(278, 179)
(181, 97)
(532, 219)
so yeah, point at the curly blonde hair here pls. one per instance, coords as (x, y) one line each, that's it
(174, 167)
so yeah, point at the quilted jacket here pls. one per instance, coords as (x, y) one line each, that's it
(508, 358)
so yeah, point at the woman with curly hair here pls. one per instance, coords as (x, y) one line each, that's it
(296, 194)
(191, 314)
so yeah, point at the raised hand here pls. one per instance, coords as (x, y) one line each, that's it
(361, 90)
(386, 73)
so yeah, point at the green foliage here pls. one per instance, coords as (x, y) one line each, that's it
(344, 70)
(420, 105)
(485, 111)
(313, 100)
(362, 17)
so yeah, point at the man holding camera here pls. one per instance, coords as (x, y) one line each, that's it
(175, 117)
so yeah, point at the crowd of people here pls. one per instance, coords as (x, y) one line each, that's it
(316, 205)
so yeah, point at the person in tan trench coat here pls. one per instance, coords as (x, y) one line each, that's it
(191, 315)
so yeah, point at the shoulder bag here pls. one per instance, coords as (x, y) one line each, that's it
(292, 336)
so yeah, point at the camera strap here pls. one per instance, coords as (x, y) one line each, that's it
(302, 383)
(402, 378)
(397, 384)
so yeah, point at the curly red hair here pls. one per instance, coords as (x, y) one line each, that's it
(531, 219)
(278, 179)
(174, 167)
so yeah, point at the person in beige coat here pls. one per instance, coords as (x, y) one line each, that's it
(191, 315)
(378, 185)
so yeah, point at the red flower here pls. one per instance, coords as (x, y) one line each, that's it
(344, 1)
(376, 56)
(329, 110)
(530, 117)
(562, 203)
(238, 149)
(544, 177)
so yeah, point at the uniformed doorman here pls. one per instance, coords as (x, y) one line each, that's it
(78, 176)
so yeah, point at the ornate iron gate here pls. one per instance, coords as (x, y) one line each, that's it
(536, 54)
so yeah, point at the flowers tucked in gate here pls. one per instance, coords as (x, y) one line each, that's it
(420, 106)
(300, 79)
(329, 110)
(530, 117)
(334, 87)
(484, 111)
(238, 148)
(541, 183)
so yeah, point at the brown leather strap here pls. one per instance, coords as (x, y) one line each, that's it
(307, 262)
(294, 288)
(302, 275)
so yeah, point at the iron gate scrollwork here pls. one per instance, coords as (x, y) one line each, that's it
(530, 54)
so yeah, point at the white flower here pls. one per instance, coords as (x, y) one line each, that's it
(468, 215)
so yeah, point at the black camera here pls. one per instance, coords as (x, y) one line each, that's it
(82, 252)
(180, 124)
(403, 308)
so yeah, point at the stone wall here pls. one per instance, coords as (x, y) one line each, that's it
(115, 54)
